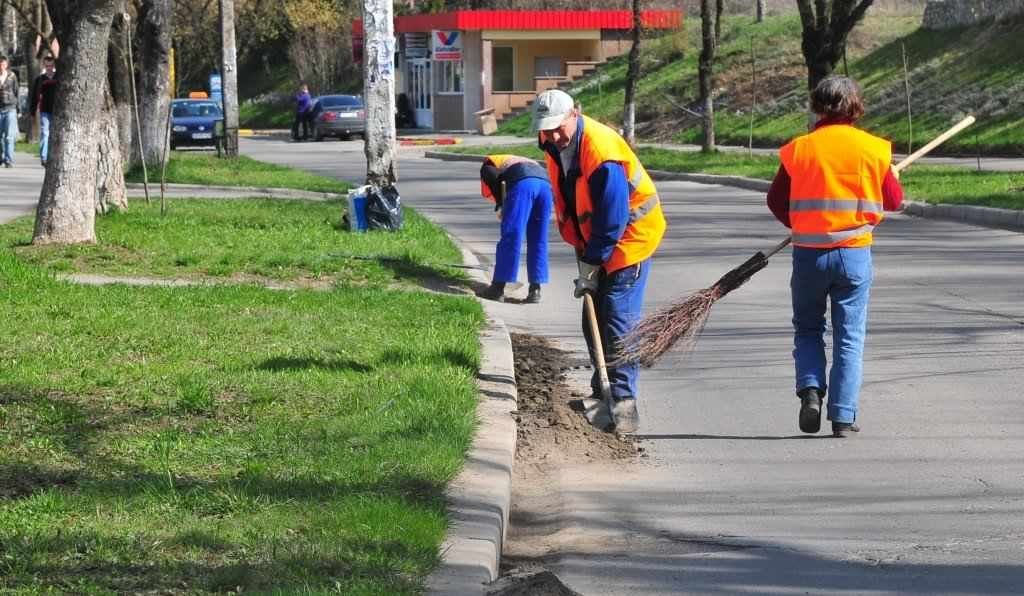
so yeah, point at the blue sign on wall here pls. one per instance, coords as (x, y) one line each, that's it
(215, 87)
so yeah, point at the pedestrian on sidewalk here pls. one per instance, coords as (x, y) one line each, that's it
(303, 107)
(44, 90)
(525, 212)
(8, 113)
(608, 209)
(831, 190)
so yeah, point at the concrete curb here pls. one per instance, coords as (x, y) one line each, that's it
(248, 191)
(989, 217)
(480, 498)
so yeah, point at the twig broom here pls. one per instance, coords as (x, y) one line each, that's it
(680, 323)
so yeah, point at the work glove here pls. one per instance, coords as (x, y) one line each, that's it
(588, 279)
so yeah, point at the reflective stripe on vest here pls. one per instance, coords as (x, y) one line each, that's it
(644, 208)
(836, 174)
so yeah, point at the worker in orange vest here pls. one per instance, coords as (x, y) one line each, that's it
(608, 209)
(831, 190)
(524, 212)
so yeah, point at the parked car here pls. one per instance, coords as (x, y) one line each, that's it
(194, 122)
(338, 116)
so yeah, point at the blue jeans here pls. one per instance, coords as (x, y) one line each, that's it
(8, 135)
(526, 211)
(840, 277)
(619, 305)
(44, 135)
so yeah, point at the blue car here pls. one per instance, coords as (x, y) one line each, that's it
(194, 122)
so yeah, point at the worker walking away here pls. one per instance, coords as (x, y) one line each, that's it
(525, 211)
(831, 190)
(608, 209)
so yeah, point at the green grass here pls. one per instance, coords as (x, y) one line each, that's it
(248, 239)
(265, 115)
(952, 73)
(226, 438)
(204, 168)
(30, 148)
(932, 184)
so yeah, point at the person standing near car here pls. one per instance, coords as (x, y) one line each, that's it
(44, 89)
(303, 107)
(8, 113)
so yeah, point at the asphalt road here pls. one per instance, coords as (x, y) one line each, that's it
(927, 500)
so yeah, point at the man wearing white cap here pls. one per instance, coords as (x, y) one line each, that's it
(609, 211)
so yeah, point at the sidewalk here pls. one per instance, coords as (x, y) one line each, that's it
(990, 217)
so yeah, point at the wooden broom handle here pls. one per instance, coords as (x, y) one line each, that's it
(942, 138)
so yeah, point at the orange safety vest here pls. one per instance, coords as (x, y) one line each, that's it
(502, 162)
(646, 227)
(836, 175)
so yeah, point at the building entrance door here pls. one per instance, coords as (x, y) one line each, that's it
(420, 91)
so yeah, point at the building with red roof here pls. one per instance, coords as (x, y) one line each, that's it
(452, 66)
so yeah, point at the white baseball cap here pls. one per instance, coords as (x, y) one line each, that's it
(551, 108)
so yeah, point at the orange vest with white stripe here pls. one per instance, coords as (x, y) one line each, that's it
(646, 227)
(503, 162)
(836, 175)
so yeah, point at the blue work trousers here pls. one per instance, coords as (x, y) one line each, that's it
(839, 278)
(8, 135)
(619, 305)
(526, 211)
(44, 136)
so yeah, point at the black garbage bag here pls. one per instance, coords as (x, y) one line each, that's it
(383, 209)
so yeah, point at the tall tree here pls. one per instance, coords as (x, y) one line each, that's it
(632, 76)
(153, 77)
(379, 85)
(708, 27)
(759, 11)
(66, 212)
(826, 25)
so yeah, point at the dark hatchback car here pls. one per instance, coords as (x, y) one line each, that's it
(338, 116)
(194, 122)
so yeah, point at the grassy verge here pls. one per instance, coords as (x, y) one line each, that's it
(30, 148)
(932, 184)
(227, 438)
(205, 168)
(248, 239)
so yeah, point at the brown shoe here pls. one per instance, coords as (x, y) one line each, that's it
(842, 430)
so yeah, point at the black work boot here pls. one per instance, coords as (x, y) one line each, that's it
(810, 410)
(533, 296)
(495, 291)
(841, 430)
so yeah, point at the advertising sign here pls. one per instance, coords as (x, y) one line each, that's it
(446, 45)
(216, 92)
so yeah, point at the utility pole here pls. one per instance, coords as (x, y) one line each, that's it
(229, 77)
(379, 89)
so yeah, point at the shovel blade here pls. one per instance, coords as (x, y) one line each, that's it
(597, 413)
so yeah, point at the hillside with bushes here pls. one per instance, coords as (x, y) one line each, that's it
(760, 68)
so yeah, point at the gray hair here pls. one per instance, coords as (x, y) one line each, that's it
(838, 97)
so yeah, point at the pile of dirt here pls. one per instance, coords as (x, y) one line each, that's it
(552, 428)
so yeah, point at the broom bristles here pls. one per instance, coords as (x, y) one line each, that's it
(680, 323)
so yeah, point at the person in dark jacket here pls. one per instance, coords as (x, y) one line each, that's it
(8, 113)
(44, 89)
(303, 108)
(524, 212)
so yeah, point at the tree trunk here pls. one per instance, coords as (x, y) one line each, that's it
(632, 77)
(110, 189)
(760, 11)
(153, 77)
(66, 212)
(229, 77)
(379, 86)
(704, 70)
(120, 86)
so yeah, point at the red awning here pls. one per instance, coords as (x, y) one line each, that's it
(538, 20)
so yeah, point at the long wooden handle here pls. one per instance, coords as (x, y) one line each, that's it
(595, 335)
(942, 138)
